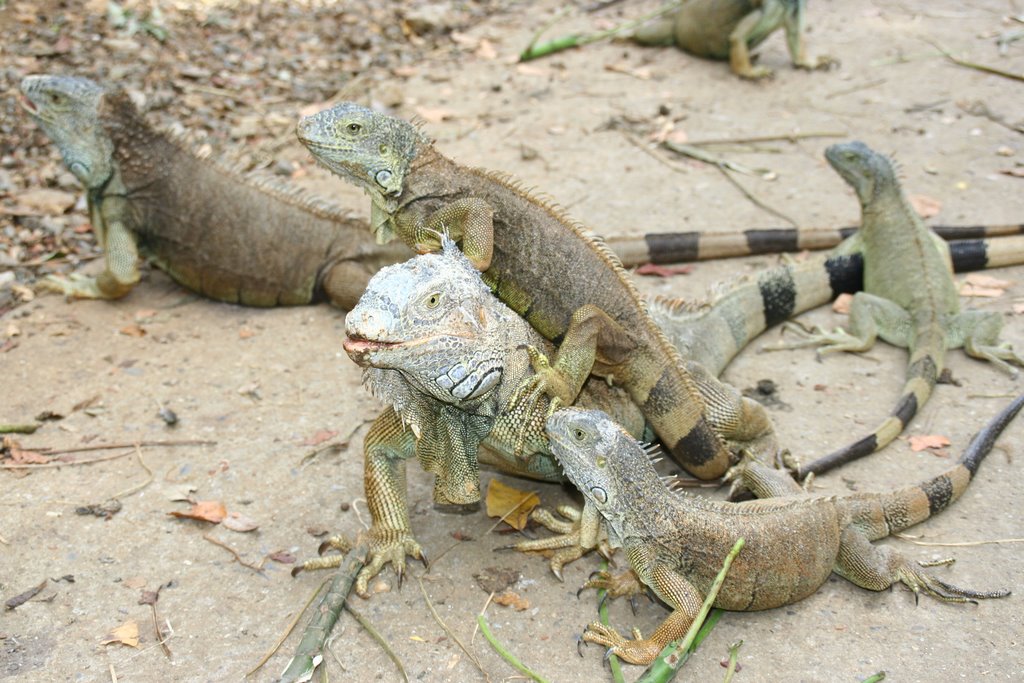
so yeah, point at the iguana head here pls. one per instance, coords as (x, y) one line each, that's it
(601, 459)
(67, 109)
(370, 149)
(864, 169)
(427, 318)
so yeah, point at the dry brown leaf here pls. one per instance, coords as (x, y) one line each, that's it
(246, 333)
(485, 50)
(982, 280)
(981, 285)
(205, 510)
(920, 442)
(434, 114)
(236, 521)
(125, 634)
(133, 331)
(510, 503)
(144, 314)
(1017, 172)
(663, 271)
(134, 582)
(842, 304)
(319, 437)
(925, 206)
(511, 599)
(28, 457)
(1018, 308)
(643, 73)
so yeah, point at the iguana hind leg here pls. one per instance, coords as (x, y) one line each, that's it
(978, 333)
(870, 317)
(878, 567)
(739, 48)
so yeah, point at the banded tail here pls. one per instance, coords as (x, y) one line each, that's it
(914, 504)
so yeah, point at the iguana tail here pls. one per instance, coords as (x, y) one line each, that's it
(908, 506)
(923, 369)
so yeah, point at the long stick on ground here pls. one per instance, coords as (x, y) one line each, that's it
(302, 664)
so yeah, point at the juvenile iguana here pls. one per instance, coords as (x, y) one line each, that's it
(546, 267)
(447, 357)
(728, 29)
(239, 239)
(676, 542)
(909, 298)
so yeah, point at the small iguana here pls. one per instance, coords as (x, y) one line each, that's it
(728, 29)
(909, 298)
(568, 285)
(676, 542)
(447, 357)
(239, 239)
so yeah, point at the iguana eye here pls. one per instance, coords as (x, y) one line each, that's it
(354, 127)
(600, 495)
(383, 177)
(579, 434)
(433, 300)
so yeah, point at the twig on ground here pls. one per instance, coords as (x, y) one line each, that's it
(781, 137)
(505, 654)
(451, 634)
(964, 544)
(138, 487)
(974, 65)
(376, 635)
(675, 654)
(51, 465)
(47, 450)
(238, 558)
(308, 653)
(287, 632)
(856, 88)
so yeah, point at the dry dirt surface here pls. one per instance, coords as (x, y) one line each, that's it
(268, 387)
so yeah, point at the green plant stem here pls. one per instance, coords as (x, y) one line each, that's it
(602, 612)
(505, 654)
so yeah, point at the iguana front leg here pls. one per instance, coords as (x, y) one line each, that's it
(739, 47)
(572, 540)
(468, 221)
(121, 255)
(793, 21)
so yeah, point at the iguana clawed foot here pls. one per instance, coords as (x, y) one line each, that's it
(546, 380)
(638, 650)
(387, 546)
(77, 286)
(625, 584)
(827, 342)
(567, 542)
(922, 582)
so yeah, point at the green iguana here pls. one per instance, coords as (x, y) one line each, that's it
(676, 542)
(238, 239)
(728, 29)
(546, 267)
(909, 298)
(448, 357)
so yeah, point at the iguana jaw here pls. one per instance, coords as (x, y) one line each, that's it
(367, 352)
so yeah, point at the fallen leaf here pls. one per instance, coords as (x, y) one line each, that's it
(1018, 308)
(663, 271)
(134, 582)
(842, 304)
(643, 73)
(920, 442)
(205, 510)
(282, 557)
(320, 436)
(28, 457)
(485, 50)
(981, 285)
(982, 280)
(925, 206)
(246, 333)
(434, 114)
(236, 521)
(1017, 172)
(125, 634)
(497, 579)
(511, 504)
(144, 314)
(182, 493)
(133, 331)
(252, 390)
(21, 598)
(510, 599)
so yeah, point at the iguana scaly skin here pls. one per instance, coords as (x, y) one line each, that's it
(448, 358)
(968, 243)
(546, 267)
(728, 29)
(676, 542)
(238, 239)
(909, 298)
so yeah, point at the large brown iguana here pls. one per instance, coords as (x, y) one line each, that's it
(676, 542)
(238, 239)
(909, 298)
(728, 29)
(448, 357)
(545, 266)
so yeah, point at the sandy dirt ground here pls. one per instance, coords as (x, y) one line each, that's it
(265, 384)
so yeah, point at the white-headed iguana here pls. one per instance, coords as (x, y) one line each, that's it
(676, 542)
(728, 29)
(448, 358)
(239, 239)
(548, 268)
(909, 297)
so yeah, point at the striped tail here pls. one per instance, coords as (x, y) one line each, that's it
(914, 504)
(922, 374)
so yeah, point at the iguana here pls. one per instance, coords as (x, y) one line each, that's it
(448, 357)
(676, 542)
(728, 29)
(680, 247)
(909, 298)
(238, 239)
(545, 266)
